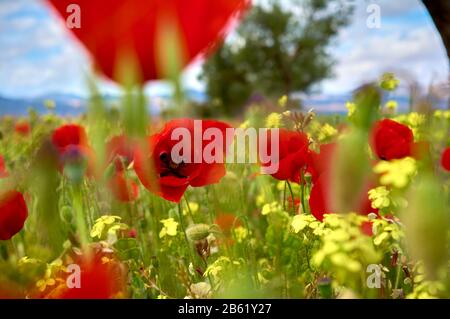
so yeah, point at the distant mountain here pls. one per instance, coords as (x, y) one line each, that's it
(65, 105)
(68, 104)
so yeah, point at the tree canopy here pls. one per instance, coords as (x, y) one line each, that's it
(280, 48)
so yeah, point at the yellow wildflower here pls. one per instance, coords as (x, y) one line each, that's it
(391, 105)
(351, 108)
(191, 207)
(240, 233)
(299, 222)
(389, 82)
(325, 132)
(282, 101)
(169, 227)
(101, 223)
(245, 124)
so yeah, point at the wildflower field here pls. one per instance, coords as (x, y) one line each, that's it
(267, 201)
(359, 207)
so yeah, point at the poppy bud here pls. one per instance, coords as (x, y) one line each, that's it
(198, 232)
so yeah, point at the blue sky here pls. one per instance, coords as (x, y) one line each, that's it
(37, 57)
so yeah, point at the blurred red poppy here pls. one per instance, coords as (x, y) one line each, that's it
(22, 128)
(120, 150)
(445, 159)
(392, 140)
(69, 134)
(367, 228)
(75, 155)
(293, 155)
(320, 162)
(227, 222)
(114, 29)
(158, 171)
(13, 213)
(101, 277)
(320, 200)
(294, 205)
(123, 188)
(3, 172)
(10, 291)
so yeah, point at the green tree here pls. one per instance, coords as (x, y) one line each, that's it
(280, 48)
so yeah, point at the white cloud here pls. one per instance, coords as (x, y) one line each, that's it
(408, 47)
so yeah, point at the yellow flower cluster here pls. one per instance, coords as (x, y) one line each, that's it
(379, 197)
(414, 120)
(423, 288)
(274, 120)
(389, 82)
(442, 114)
(386, 231)
(397, 172)
(240, 233)
(344, 247)
(271, 208)
(50, 278)
(218, 269)
(322, 132)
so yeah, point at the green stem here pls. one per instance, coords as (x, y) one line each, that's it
(302, 188)
(292, 196)
(79, 217)
(397, 277)
(189, 208)
(180, 215)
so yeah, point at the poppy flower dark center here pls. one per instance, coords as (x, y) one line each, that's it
(170, 167)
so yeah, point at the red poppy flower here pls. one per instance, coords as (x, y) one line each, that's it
(445, 159)
(101, 277)
(13, 213)
(69, 134)
(293, 155)
(120, 150)
(3, 172)
(160, 173)
(392, 140)
(123, 188)
(111, 29)
(22, 128)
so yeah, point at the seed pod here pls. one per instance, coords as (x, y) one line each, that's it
(198, 232)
